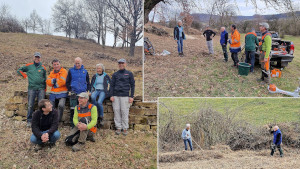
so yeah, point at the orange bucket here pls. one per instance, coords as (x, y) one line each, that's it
(276, 73)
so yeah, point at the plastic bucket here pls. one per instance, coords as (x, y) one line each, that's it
(244, 68)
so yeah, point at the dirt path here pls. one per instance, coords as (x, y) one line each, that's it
(229, 159)
(199, 74)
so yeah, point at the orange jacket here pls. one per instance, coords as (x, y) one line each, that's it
(235, 45)
(60, 84)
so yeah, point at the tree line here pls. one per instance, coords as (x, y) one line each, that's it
(86, 19)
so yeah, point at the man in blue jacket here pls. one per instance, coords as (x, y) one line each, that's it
(78, 81)
(223, 42)
(122, 93)
(277, 139)
(179, 36)
(187, 137)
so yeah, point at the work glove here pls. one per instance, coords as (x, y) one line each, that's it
(72, 95)
(273, 147)
(54, 81)
(229, 41)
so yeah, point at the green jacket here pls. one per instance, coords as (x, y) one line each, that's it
(267, 44)
(251, 41)
(36, 75)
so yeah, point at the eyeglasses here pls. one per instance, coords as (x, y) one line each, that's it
(121, 63)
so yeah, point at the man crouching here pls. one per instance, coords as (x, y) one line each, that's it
(85, 120)
(44, 125)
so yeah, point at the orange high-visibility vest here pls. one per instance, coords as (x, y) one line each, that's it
(88, 114)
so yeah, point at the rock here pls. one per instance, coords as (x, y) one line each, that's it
(138, 98)
(150, 112)
(9, 114)
(141, 127)
(22, 107)
(18, 118)
(145, 105)
(16, 99)
(106, 124)
(108, 116)
(136, 111)
(47, 45)
(11, 106)
(22, 113)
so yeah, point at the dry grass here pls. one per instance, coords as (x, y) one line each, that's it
(198, 74)
(220, 158)
(137, 150)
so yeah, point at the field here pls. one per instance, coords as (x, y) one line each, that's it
(137, 150)
(198, 74)
(258, 111)
(232, 132)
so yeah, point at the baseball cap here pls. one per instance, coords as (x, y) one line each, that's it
(37, 54)
(84, 94)
(264, 24)
(122, 60)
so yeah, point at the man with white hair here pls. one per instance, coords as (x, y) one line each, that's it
(187, 137)
(78, 81)
(277, 139)
(179, 36)
(265, 53)
(223, 42)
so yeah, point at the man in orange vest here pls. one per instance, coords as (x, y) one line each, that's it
(85, 120)
(235, 45)
(265, 52)
(251, 42)
(59, 91)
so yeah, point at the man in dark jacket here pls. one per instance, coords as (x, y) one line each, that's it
(44, 125)
(179, 36)
(277, 139)
(251, 42)
(36, 73)
(122, 83)
(209, 34)
(78, 81)
(223, 42)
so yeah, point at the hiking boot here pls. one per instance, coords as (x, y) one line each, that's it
(100, 122)
(28, 124)
(37, 147)
(225, 60)
(118, 132)
(77, 147)
(51, 145)
(125, 132)
(91, 138)
(259, 79)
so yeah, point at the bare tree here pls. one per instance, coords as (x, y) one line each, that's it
(34, 20)
(131, 13)
(62, 16)
(26, 24)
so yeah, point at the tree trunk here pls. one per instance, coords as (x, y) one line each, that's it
(148, 6)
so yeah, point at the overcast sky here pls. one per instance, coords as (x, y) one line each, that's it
(22, 9)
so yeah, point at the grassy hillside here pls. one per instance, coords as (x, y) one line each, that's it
(198, 74)
(258, 111)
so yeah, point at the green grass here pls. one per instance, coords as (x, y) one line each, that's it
(258, 111)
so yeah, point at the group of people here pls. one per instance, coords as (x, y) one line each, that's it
(85, 117)
(277, 139)
(251, 42)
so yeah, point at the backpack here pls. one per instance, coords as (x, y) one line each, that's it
(73, 139)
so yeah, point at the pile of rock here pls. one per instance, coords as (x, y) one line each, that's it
(142, 116)
(157, 31)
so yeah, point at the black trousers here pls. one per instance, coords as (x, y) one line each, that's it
(234, 57)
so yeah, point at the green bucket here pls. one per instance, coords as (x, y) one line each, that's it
(244, 68)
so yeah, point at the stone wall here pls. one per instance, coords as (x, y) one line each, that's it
(142, 116)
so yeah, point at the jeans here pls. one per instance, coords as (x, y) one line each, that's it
(101, 95)
(210, 46)
(224, 48)
(250, 58)
(61, 106)
(190, 143)
(234, 57)
(53, 138)
(32, 94)
(180, 45)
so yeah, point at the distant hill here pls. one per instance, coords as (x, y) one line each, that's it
(205, 17)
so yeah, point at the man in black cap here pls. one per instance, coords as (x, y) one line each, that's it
(122, 82)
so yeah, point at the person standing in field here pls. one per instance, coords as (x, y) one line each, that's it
(209, 34)
(187, 137)
(265, 53)
(251, 42)
(179, 36)
(277, 140)
(223, 42)
(235, 45)
(36, 73)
